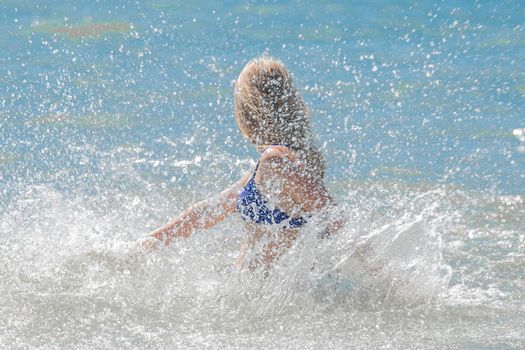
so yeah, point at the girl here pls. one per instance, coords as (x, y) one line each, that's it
(286, 187)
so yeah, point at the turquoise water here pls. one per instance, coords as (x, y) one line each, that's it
(116, 115)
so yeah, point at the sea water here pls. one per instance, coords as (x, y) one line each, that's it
(116, 115)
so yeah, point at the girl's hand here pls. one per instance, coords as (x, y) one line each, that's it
(150, 244)
(165, 234)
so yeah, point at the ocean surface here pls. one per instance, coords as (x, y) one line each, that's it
(116, 115)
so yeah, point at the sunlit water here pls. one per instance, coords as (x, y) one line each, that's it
(113, 117)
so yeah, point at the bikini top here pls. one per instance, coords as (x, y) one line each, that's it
(254, 207)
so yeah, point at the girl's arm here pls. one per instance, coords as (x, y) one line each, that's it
(202, 215)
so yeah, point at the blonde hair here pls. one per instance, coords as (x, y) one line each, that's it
(270, 111)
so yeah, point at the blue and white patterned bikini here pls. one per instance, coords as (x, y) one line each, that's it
(254, 207)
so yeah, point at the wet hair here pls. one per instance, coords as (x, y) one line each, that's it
(270, 111)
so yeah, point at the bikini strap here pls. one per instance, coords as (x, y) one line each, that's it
(255, 171)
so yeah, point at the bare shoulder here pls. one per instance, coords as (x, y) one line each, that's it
(278, 161)
(278, 153)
